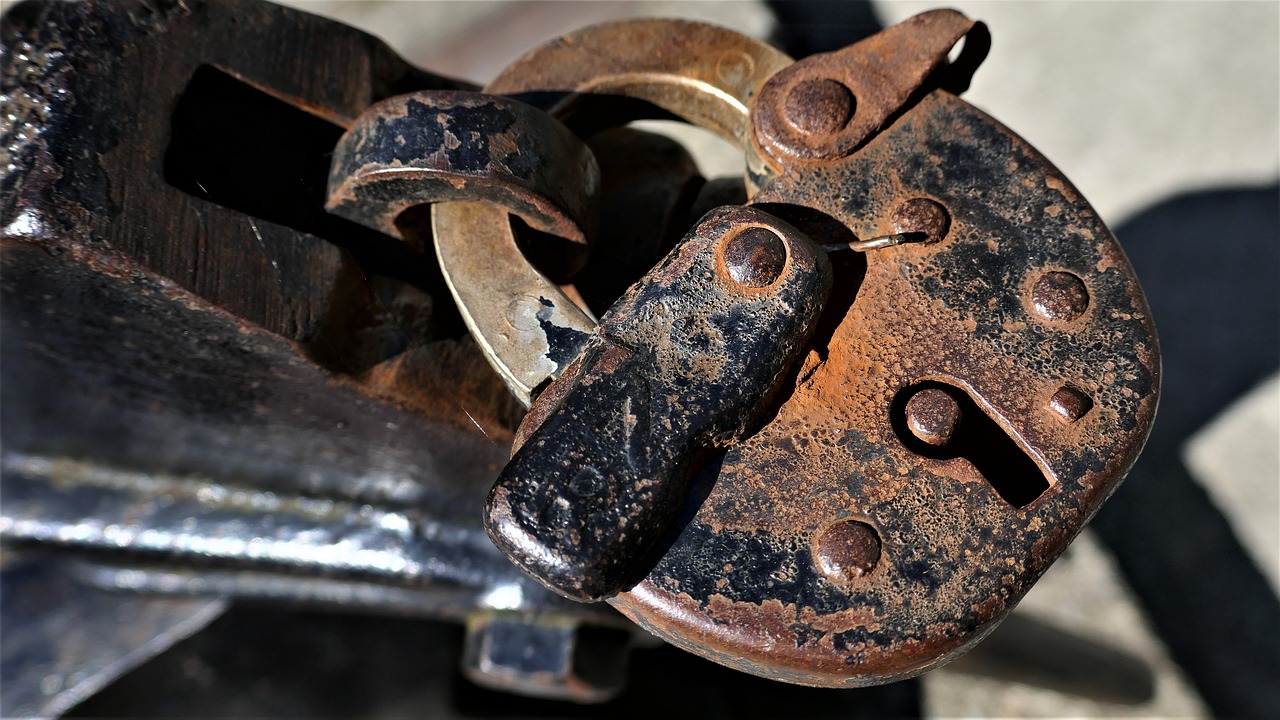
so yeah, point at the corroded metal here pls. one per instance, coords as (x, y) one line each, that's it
(442, 145)
(327, 429)
(825, 106)
(527, 327)
(211, 387)
(499, 156)
(932, 415)
(836, 546)
(529, 330)
(703, 74)
(740, 584)
(682, 365)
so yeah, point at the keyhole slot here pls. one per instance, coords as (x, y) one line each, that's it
(978, 438)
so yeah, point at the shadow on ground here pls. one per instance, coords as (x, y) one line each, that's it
(1208, 262)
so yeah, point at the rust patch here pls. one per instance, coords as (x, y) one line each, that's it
(955, 555)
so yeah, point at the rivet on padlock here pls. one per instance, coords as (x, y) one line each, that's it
(685, 362)
(856, 537)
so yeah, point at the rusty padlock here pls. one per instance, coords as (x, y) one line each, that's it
(971, 393)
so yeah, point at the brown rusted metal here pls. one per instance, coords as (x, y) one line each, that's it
(818, 106)
(703, 74)
(447, 145)
(932, 416)
(1070, 403)
(754, 257)
(846, 550)
(210, 384)
(1059, 296)
(528, 329)
(960, 543)
(825, 106)
(856, 538)
(924, 217)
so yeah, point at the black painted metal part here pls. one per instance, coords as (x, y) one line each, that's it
(684, 363)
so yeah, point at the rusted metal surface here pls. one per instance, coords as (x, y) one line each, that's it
(682, 365)
(932, 415)
(443, 145)
(825, 106)
(975, 387)
(962, 535)
(858, 539)
(526, 326)
(500, 156)
(703, 74)
(707, 75)
(924, 217)
(208, 380)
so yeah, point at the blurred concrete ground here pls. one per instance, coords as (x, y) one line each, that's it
(1146, 107)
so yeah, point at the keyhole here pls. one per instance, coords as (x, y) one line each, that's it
(944, 423)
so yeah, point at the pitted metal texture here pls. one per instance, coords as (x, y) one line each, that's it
(683, 364)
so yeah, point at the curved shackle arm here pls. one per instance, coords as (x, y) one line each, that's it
(484, 157)
(707, 75)
(435, 146)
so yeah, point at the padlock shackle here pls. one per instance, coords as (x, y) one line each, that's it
(529, 330)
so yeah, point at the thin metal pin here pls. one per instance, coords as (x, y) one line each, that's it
(875, 243)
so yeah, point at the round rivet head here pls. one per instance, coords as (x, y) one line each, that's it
(846, 550)
(819, 107)
(755, 257)
(932, 416)
(1060, 296)
(1070, 404)
(924, 216)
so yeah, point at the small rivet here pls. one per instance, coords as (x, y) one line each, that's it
(932, 416)
(1060, 296)
(755, 257)
(1070, 404)
(847, 550)
(924, 216)
(819, 107)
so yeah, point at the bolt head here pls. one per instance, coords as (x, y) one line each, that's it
(819, 107)
(1070, 404)
(932, 416)
(545, 656)
(754, 257)
(846, 550)
(924, 216)
(1060, 296)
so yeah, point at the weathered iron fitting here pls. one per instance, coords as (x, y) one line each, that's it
(681, 365)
